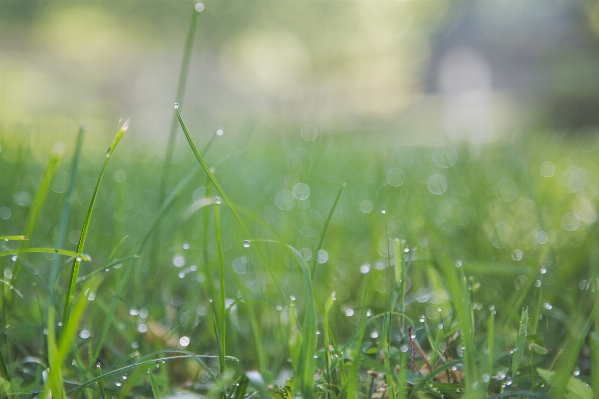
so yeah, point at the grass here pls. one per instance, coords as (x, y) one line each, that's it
(271, 266)
(346, 332)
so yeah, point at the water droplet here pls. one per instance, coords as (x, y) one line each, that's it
(199, 7)
(279, 307)
(349, 312)
(218, 200)
(118, 383)
(548, 306)
(60, 324)
(292, 298)
(84, 334)
(220, 131)
(184, 341)
(14, 258)
(403, 348)
(576, 371)
(422, 319)
(246, 243)
(374, 334)
(322, 256)
(124, 377)
(384, 211)
(517, 255)
(133, 312)
(365, 268)
(185, 246)
(538, 283)
(486, 377)
(179, 260)
(458, 263)
(142, 328)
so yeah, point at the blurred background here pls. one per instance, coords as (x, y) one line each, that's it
(423, 71)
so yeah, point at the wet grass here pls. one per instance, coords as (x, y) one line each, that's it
(278, 273)
(329, 265)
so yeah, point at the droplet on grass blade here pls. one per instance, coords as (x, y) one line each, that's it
(220, 131)
(184, 341)
(199, 7)
(176, 105)
(246, 243)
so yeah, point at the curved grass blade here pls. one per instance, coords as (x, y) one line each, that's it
(227, 201)
(106, 266)
(188, 355)
(326, 226)
(75, 270)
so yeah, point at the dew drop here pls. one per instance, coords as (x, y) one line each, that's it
(349, 312)
(292, 297)
(548, 306)
(384, 211)
(538, 283)
(220, 131)
(279, 307)
(84, 334)
(246, 243)
(576, 371)
(543, 270)
(124, 377)
(118, 383)
(176, 105)
(365, 268)
(184, 341)
(374, 334)
(218, 200)
(134, 345)
(403, 348)
(199, 7)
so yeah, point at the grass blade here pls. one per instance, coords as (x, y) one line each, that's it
(305, 361)
(520, 343)
(326, 226)
(13, 238)
(38, 201)
(75, 270)
(65, 213)
(155, 390)
(227, 201)
(76, 255)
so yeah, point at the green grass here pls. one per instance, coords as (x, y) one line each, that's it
(265, 265)
(456, 285)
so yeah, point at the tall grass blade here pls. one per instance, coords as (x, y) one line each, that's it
(76, 255)
(228, 202)
(221, 275)
(65, 213)
(75, 270)
(578, 332)
(460, 295)
(326, 226)
(305, 361)
(39, 199)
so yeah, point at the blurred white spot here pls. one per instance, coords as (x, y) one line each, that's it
(184, 341)
(445, 155)
(396, 177)
(547, 169)
(309, 132)
(437, 184)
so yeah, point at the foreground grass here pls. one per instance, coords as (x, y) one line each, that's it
(289, 266)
